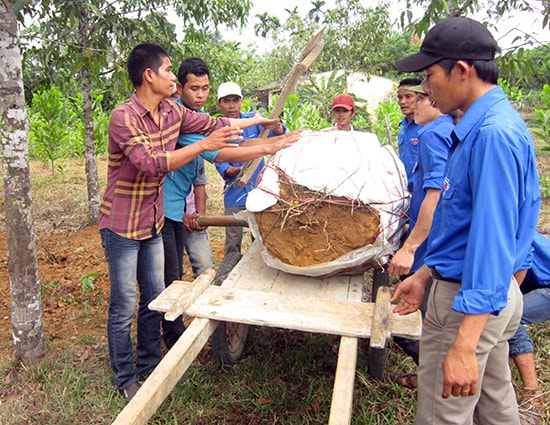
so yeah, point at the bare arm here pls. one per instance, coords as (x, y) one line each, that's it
(262, 141)
(245, 153)
(200, 204)
(200, 199)
(256, 120)
(232, 171)
(403, 259)
(219, 139)
(460, 368)
(410, 292)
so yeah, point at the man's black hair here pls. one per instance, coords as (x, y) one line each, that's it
(142, 57)
(410, 82)
(486, 70)
(192, 65)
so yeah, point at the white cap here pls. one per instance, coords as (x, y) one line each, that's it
(227, 89)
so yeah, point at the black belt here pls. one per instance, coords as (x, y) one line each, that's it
(435, 274)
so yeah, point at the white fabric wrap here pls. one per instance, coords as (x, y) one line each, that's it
(345, 164)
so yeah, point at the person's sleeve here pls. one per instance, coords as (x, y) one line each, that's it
(197, 122)
(433, 155)
(189, 139)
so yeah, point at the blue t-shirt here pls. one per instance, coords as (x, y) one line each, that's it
(407, 141)
(177, 184)
(433, 150)
(235, 196)
(488, 210)
(538, 274)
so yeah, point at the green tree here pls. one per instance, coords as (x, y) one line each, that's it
(105, 33)
(316, 12)
(50, 121)
(356, 37)
(266, 24)
(436, 10)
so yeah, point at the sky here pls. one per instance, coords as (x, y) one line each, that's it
(505, 33)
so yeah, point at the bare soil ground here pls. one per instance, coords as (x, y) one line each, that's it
(70, 253)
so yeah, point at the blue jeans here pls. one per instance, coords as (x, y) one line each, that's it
(536, 309)
(198, 249)
(130, 261)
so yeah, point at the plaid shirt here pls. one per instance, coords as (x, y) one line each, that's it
(139, 158)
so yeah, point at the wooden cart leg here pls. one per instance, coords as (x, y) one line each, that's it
(378, 354)
(379, 333)
(344, 383)
(167, 374)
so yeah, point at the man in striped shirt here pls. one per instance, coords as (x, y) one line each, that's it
(142, 136)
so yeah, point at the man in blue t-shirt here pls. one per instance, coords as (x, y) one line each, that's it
(407, 138)
(482, 231)
(180, 225)
(230, 100)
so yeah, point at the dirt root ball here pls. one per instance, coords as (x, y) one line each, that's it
(333, 203)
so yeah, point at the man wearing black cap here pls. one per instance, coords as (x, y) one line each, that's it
(481, 233)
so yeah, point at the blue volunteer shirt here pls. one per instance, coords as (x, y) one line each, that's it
(488, 211)
(177, 184)
(433, 150)
(235, 196)
(407, 141)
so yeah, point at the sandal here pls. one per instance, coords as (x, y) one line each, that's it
(409, 380)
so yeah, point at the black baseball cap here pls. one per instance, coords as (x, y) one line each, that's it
(454, 38)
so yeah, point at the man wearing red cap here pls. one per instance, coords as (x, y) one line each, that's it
(481, 234)
(343, 110)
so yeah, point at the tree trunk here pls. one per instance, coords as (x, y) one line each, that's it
(89, 149)
(89, 138)
(26, 307)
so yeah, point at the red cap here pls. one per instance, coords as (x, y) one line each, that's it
(343, 101)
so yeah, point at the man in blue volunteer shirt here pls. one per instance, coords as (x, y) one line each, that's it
(407, 138)
(482, 231)
(230, 101)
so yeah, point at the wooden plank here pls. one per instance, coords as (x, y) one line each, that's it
(310, 314)
(252, 273)
(341, 407)
(167, 374)
(180, 295)
(381, 324)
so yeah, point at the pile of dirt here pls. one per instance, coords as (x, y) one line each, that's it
(305, 228)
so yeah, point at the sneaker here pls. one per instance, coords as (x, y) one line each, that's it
(130, 391)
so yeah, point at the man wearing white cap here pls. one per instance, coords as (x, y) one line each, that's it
(230, 100)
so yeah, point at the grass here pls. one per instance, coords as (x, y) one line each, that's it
(284, 377)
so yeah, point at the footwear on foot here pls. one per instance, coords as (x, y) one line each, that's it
(409, 380)
(130, 391)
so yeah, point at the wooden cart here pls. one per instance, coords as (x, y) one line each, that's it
(255, 294)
